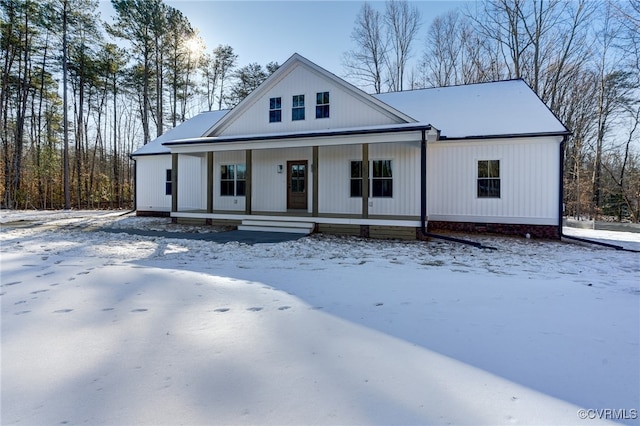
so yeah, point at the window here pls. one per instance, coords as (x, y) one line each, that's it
(489, 179)
(322, 105)
(381, 181)
(233, 181)
(168, 183)
(356, 178)
(275, 110)
(297, 111)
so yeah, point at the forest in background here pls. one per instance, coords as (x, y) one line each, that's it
(131, 80)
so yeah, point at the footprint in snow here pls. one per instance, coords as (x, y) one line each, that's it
(62, 311)
(140, 310)
(284, 308)
(221, 310)
(254, 309)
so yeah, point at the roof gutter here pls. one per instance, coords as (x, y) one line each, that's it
(506, 136)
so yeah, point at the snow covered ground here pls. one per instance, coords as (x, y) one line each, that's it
(113, 328)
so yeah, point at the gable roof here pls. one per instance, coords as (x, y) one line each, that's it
(285, 69)
(192, 128)
(483, 110)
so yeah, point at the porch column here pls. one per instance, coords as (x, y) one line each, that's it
(314, 160)
(365, 180)
(174, 183)
(247, 205)
(209, 182)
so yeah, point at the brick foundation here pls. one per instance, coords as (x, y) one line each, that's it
(536, 231)
(367, 231)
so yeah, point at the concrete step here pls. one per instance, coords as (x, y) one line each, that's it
(276, 226)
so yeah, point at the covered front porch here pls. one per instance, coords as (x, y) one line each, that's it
(354, 182)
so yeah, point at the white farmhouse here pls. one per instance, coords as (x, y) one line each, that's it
(308, 151)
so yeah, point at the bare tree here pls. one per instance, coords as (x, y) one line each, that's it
(454, 53)
(403, 24)
(134, 22)
(365, 63)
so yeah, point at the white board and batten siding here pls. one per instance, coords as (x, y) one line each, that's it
(529, 176)
(345, 109)
(268, 187)
(226, 202)
(335, 179)
(192, 182)
(151, 174)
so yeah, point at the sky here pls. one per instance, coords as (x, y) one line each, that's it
(272, 31)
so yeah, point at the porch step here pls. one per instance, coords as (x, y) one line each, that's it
(276, 226)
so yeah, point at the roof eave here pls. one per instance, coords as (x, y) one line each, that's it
(507, 136)
(397, 129)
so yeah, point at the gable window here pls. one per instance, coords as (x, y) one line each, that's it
(489, 179)
(168, 183)
(233, 181)
(322, 105)
(381, 182)
(297, 111)
(275, 110)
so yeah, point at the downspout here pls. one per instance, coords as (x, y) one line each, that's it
(423, 183)
(561, 188)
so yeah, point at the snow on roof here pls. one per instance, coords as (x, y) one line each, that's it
(501, 108)
(192, 128)
(478, 110)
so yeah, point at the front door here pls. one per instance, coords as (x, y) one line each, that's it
(297, 185)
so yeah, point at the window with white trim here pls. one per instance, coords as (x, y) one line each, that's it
(275, 110)
(380, 181)
(322, 105)
(233, 181)
(356, 178)
(297, 109)
(488, 178)
(168, 183)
